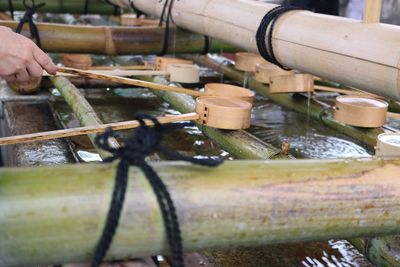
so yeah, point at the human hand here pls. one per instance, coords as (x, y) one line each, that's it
(21, 60)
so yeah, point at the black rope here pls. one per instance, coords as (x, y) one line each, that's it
(28, 18)
(137, 11)
(116, 8)
(166, 12)
(206, 48)
(11, 9)
(86, 7)
(144, 142)
(264, 41)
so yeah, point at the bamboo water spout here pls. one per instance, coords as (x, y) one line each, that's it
(334, 48)
(54, 214)
(61, 38)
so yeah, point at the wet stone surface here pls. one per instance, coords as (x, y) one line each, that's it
(23, 117)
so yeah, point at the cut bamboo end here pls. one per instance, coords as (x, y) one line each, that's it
(184, 73)
(163, 62)
(372, 11)
(223, 113)
(296, 83)
(359, 111)
(246, 61)
(265, 71)
(388, 145)
(229, 91)
(77, 60)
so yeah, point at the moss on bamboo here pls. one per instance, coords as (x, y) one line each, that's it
(54, 214)
(83, 111)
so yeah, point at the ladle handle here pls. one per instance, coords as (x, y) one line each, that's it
(122, 80)
(393, 115)
(26, 138)
(119, 73)
(344, 91)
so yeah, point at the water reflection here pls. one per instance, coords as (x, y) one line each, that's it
(307, 137)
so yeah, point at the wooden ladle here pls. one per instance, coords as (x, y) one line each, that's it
(216, 112)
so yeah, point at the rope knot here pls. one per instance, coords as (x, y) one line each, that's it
(31, 10)
(136, 148)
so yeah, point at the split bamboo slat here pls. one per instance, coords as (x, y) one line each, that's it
(279, 205)
(121, 73)
(372, 11)
(116, 126)
(362, 55)
(134, 82)
(61, 38)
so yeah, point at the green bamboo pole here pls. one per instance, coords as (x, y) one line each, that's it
(240, 144)
(65, 6)
(52, 215)
(298, 103)
(83, 111)
(62, 38)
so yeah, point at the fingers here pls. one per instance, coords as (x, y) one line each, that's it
(22, 76)
(44, 60)
(10, 78)
(34, 69)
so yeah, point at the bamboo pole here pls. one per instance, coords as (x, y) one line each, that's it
(83, 111)
(298, 103)
(240, 144)
(381, 251)
(65, 6)
(62, 38)
(333, 48)
(52, 215)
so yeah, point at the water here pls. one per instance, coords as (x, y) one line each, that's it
(307, 138)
